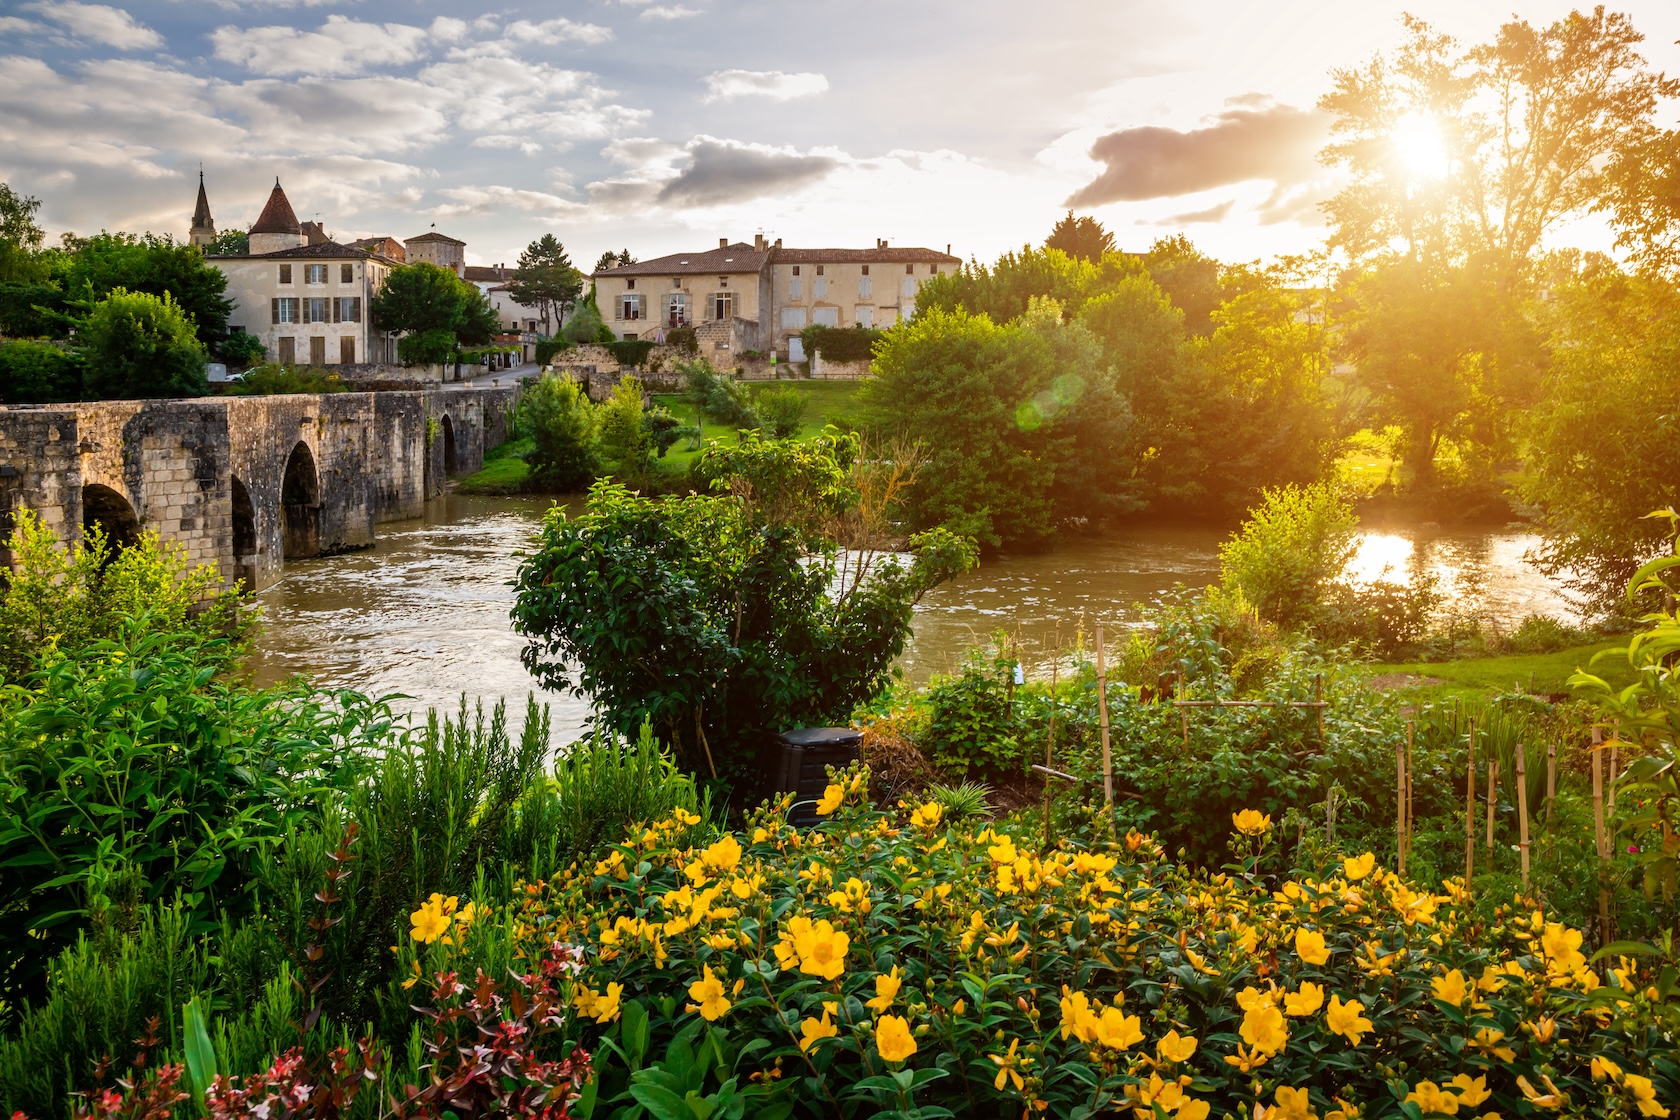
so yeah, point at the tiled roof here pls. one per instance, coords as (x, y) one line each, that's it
(488, 272)
(330, 250)
(739, 257)
(433, 236)
(277, 216)
(862, 256)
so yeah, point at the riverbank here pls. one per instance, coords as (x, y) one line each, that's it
(1479, 679)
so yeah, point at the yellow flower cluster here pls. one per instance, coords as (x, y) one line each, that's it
(438, 917)
(815, 948)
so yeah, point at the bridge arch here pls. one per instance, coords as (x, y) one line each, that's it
(244, 534)
(300, 504)
(451, 458)
(111, 511)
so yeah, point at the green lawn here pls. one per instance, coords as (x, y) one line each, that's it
(830, 402)
(505, 470)
(1543, 673)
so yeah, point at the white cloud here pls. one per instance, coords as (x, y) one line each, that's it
(495, 199)
(508, 143)
(675, 11)
(100, 23)
(552, 32)
(341, 46)
(14, 25)
(725, 85)
(449, 29)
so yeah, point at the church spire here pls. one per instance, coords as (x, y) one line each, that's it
(203, 225)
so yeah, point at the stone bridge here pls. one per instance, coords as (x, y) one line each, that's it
(245, 482)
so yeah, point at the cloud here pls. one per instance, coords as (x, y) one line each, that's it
(493, 200)
(14, 25)
(725, 85)
(722, 171)
(1248, 140)
(1195, 217)
(675, 11)
(552, 32)
(508, 143)
(102, 24)
(341, 46)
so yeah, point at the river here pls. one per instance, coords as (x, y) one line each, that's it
(424, 613)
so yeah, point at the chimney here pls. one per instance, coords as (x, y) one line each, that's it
(778, 243)
(947, 248)
(723, 243)
(880, 243)
(758, 242)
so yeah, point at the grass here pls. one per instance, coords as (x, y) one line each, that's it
(1541, 673)
(830, 402)
(504, 472)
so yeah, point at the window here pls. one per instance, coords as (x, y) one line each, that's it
(346, 274)
(819, 270)
(825, 316)
(630, 284)
(865, 316)
(793, 318)
(866, 287)
(723, 281)
(794, 289)
(347, 348)
(819, 288)
(865, 270)
(933, 269)
(909, 270)
(631, 306)
(314, 274)
(723, 305)
(909, 286)
(347, 309)
(630, 336)
(796, 270)
(676, 309)
(285, 309)
(315, 310)
(285, 274)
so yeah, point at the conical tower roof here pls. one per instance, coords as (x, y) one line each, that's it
(201, 212)
(277, 216)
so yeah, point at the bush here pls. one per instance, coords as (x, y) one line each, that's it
(548, 348)
(1389, 619)
(725, 399)
(971, 721)
(561, 422)
(1285, 557)
(31, 310)
(242, 349)
(140, 346)
(684, 339)
(277, 380)
(38, 373)
(1538, 633)
(781, 409)
(632, 352)
(840, 344)
(623, 439)
(585, 325)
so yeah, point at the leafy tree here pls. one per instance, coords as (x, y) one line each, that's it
(782, 409)
(243, 349)
(1189, 278)
(561, 422)
(99, 265)
(1642, 194)
(1082, 238)
(1005, 289)
(139, 346)
(1294, 546)
(546, 280)
(623, 437)
(436, 310)
(1604, 435)
(585, 325)
(610, 259)
(1023, 422)
(38, 373)
(721, 618)
(34, 310)
(17, 219)
(719, 395)
(229, 242)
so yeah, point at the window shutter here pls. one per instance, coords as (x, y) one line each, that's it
(356, 309)
(274, 309)
(335, 310)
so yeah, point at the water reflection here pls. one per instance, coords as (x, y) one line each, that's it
(425, 612)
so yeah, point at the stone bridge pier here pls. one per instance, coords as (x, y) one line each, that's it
(246, 483)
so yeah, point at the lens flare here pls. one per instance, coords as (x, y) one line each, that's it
(1418, 144)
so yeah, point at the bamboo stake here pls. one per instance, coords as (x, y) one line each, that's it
(1470, 809)
(1551, 780)
(1411, 726)
(1102, 716)
(1183, 718)
(1522, 810)
(1600, 843)
(1615, 767)
(700, 733)
(1050, 742)
(1318, 700)
(1493, 797)
(1400, 806)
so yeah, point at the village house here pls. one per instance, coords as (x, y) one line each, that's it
(740, 297)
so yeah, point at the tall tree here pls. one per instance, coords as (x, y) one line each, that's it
(1643, 198)
(98, 265)
(436, 311)
(1189, 277)
(17, 219)
(545, 279)
(610, 259)
(138, 345)
(1083, 237)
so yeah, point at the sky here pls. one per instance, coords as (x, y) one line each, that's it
(659, 125)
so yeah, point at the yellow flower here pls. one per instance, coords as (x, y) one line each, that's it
(1009, 1067)
(1451, 988)
(1309, 946)
(1251, 822)
(1345, 1019)
(1173, 1048)
(1305, 1002)
(822, 948)
(725, 855)
(1192, 1110)
(1264, 1029)
(1552, 1098)
(1292, 1104)
(1357, 867)
(1004, 851)
(927, 816)
(1644, 1094)
(815, 1030)
(1603, 1069)
(708, 994)
(1431, 1098)
(1118, 1031)
(831, 799)
(602, 1008)
(1246, 1061)
(1471, 1091)
(886, 990)
(1487, 1040)
(1562, 946)
(431, 921)
(892, 1039)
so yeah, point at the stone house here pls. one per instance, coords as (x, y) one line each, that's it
(758, 297)
(303, 294)
(435, 248)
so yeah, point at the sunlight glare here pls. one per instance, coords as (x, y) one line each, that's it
(1380, 557)
(1417, 142)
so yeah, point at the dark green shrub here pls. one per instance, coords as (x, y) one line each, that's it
(631, 352)
(547, 348)
(781, 409)
(1388, 619)
(971, 724)
(38, 373)
(720, 396)
(684, 339)
(242, 349)
(561, 422)
(275, 380)
(141, 346)
(30, 310)
(840, 344)
(585, 325)
(1538, 633)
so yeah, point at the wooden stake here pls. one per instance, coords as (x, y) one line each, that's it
(1183, 719)
(1522, 810)
(1411, 726)
(1318, 698)
(1493, 797)
(1050, 742)
(1102, 717)
(1470, 809)
(1615, 767)
(1400, 806)
(1600, 841)
(1551, 780)
(700, 733)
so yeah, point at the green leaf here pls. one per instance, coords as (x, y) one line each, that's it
(661, 1102)
(1625, 949)
(201, 1055)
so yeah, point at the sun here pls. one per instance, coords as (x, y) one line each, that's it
(1416, 140)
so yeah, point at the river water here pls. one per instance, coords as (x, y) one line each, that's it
(424, 613)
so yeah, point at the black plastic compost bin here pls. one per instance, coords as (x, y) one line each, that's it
(800, 766)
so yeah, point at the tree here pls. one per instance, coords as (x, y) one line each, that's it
(229, 242)
(17, 219)
(436, 311)
(624, 441)
(610, 259)
(1604, 435)
(561, 422)
(1190, 279)
(721, 618)
(1290, 551)
(1643, 197)
(1082, 238)
(38, 373)
(585, 325)
(546, 280)
(98, 265)
(139, 346)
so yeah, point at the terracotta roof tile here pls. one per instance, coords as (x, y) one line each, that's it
(862, 256)
(277, 216)
(736, 258)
